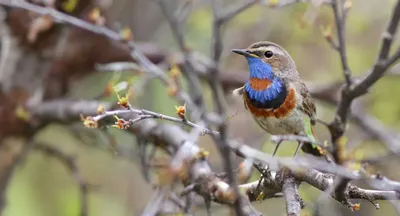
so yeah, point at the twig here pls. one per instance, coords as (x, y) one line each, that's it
(326, 92)
(176, 23)
(172, 136)
(323, 181)
(155, 203)
(145, 114)
(219, 100)
(337, 127)
(233, 11)
(220, 18)
(189, 149)
(69, 162)
(142, 60)
(144, 162)
(379, 68)
(280, 138)
(207, 203)
(291, 195)
(341, 31)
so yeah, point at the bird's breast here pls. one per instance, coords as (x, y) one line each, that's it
(283, 110)
(266, 93)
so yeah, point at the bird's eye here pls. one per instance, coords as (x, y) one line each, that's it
(268, 54)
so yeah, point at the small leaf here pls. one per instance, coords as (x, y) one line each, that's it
(100, 109)
(181, 111)
(203, 153)
(260, 196)
(89, 122)
(126, 34)
(356, 207)
(69, 5)
(22, 113)
(175, 71)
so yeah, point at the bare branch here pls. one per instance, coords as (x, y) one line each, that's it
(172, 137)
(145, 114)
(341, 31)
(155, 203)
(233, 11)
(383, 62)
(136, 54)
(380, 67)
(176, 23)
(349, 93)
(219, 100)
(191, 161)
(324, 181)
(291, 195)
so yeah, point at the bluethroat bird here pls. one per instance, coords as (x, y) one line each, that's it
(275, 95)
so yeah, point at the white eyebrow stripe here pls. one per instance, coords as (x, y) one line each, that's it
(258, 49)
(271, 48)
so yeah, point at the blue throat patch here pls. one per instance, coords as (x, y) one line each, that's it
(273, 96)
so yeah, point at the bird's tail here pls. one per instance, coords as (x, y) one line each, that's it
(311, 148)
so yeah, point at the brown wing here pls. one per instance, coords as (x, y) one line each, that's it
(308, 105)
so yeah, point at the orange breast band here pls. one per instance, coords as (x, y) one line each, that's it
(259, 84)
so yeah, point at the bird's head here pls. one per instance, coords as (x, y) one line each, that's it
(267, 59)
(269, 65)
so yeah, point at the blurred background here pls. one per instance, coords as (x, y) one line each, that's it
(43, 186)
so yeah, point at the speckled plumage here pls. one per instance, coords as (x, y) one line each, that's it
(275, 95)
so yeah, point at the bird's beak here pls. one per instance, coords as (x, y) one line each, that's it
(243, 52)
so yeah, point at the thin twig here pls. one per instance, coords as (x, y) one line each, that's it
(219, 101)
(380, 67)
(341, 31)
(172, 136)
(176, 23)
(233, 11)
(142, 60)
(349, 93)
(155, 203)
(145, 114)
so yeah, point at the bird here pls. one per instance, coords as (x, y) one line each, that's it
(276, 97)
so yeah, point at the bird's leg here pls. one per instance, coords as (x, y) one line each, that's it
(298, 149)
(276, 147)
(263, 170)
(259, 181)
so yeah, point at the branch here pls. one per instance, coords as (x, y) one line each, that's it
(146, 114)
(349, 93)
(378, 70)
(217, 91)
(323, 182)
(176, 22)
(155, 203)
(174, 139)
(291, 195)
(233, 11)
(376, 129)
(136, 54)
(341, 28)
(166, 136)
